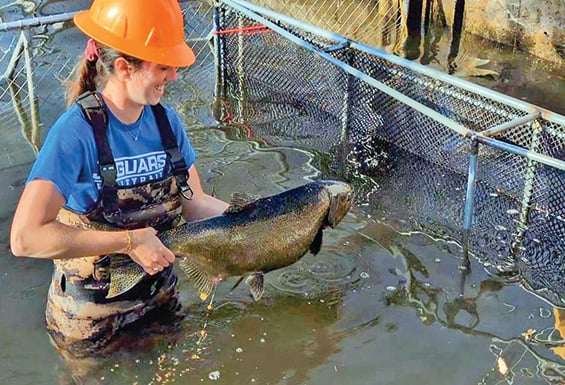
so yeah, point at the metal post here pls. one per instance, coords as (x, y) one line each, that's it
(529, 180)
(219, 52)
(344, 141)
(414, 23)
(470, 199)
(240, 69)
(457, 29)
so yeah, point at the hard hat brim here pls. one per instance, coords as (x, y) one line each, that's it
(179, 55)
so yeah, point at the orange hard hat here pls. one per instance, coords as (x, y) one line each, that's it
(151, 30)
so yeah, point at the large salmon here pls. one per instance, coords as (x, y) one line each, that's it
(249, 239)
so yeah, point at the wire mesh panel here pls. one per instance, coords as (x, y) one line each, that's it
(377, 22)
(535, 223)
(18, 112)
(278, 89)
(397, 123)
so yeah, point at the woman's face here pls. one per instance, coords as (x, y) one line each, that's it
(147, 85)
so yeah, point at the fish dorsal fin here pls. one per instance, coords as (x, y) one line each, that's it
(124, 274)
(317, 242)
(256, 283)
(240, 200)
(202, 281)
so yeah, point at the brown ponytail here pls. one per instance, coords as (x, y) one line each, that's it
(90, 75)
(84, 80)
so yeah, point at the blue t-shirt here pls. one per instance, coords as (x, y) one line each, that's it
(69, 158)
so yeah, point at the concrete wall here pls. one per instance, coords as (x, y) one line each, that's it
(533, 26)
(536, 27)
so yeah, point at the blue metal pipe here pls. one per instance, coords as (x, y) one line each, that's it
(511, 124)
(217, 42)
(547, 160)
(36, 21)
(471, 184)
(470, 201)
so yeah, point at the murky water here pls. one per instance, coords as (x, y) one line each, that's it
(377, 305)
(384, 302)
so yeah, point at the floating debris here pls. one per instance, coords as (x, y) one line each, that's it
(501, 366)
(528, 334)
(215, 375)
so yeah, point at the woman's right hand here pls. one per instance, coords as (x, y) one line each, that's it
(148, 251)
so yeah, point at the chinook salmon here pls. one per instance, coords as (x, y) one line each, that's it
(251, 238)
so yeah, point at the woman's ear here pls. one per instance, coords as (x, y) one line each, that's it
(123, 68)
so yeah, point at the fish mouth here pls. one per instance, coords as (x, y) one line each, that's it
(341, 197)
(340, 189)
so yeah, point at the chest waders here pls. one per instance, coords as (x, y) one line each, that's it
(80, 320)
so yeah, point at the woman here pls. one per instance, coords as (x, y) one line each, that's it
(118, 159)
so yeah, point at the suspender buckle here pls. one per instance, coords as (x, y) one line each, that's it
(180, 172)
(108, 174)
(185, 191)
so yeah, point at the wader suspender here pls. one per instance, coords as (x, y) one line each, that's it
(179, 169)
(92, 105)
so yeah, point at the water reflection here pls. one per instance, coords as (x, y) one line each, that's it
(516, 361)
(558, 340)
(457, 301)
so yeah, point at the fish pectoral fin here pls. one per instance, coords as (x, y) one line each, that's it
(256, 283)
(202, 281)
(123, 277)
(316, 244)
